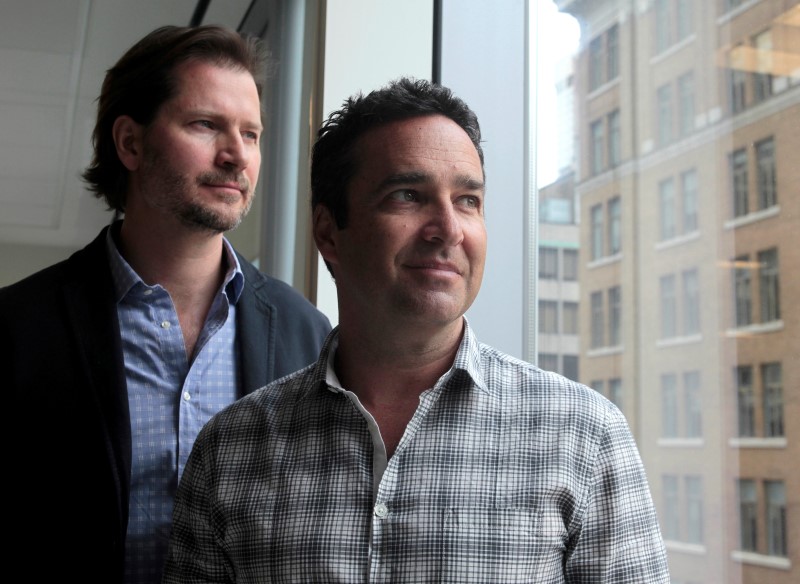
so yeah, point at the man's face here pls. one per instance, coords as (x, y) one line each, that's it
(200, 155)
(415, 242)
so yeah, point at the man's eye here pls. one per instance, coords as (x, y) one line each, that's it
(471, 201)
(204, 123)
(404, 195)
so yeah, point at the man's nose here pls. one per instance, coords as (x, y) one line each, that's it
(444, 224)
(233, 151)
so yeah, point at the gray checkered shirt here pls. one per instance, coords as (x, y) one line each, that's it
(506, 473)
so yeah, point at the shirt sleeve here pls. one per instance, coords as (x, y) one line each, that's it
(617, 538)
(196, 554)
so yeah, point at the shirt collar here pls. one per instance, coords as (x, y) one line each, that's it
(125, 278)
(467, 362)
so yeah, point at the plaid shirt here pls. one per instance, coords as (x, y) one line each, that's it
(506, 473)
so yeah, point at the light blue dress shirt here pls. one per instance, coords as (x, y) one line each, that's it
(171, 396)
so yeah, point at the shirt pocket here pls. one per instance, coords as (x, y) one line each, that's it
(494, 545)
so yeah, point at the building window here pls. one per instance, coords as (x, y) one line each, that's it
(598, 386)
(614, 226)
(615, 392)
(684, 21)
(689, 193)
(597, 231)
(663, 22)
(669, 405)
(671, 522)
(596, 63)
(669, 307)
(775, 495)
(598, 324)
(570, 366)
(570, 318)
(742, 292)
(612, 53)
(691, 302)
(694, 509)
(615, 316)
(693, 404)
(548, 361)
(664, 99)
(765, 174)
(686, 103)
(745, 402)
(736, 90)
(772, 386)
(597, 147)
(762, 78)
(548, 316)
(731, 4)
(666, 201)
(738, 163)
(614, 139)
(768, 285)
(748, 510)
(570, 257)
(548, 263)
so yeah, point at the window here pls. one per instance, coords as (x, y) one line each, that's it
(741, 286)
(694, 509)
(614, 139)
(597, 231)
(570, 367)
(765, 174)
(686, 103)
(596, 75)
(671, 520)
(762, 77)
(768, 285)
(748, 511)
(669, 307)
(612, 48)
(731, 4)
(615, 316)
(548, 263)
(614, 226)
(669, 405)
(736, 90)
(666, 201)
(691, 302)
(663, 22)
(693, 404)
(598, 321)
(683, 17)
(615, 392)
(548, 361)
(597, 147)
(775, 494)
(689, 193)
(548, 316)
(772, 386)
(597, 385)
(570, 318)
(664, 99)
(745, 402)
(570, 257)
(739, 182)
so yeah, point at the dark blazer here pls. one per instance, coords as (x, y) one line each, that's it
(61, 360)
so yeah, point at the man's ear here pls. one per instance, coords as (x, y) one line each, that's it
(324, 229)
(127, 135)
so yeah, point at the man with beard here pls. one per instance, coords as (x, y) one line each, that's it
(117, 356)
(411, 452)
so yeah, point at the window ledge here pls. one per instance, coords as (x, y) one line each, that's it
(755, 329)
(681, 442)
(612, 259)
(736, 11)
(695, 549)
(748, 442)
(676, 241)
(672, 49)
(605, 351)
(761, 560)
(753, 217)
(678, 341)
(603, 88)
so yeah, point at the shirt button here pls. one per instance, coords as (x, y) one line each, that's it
(165, 324)
(187, 396)
(148, 292)
(381, 510)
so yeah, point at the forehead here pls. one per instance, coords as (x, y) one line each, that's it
(206, 84)
(419, 143)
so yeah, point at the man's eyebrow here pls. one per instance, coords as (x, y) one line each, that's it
(463, 181)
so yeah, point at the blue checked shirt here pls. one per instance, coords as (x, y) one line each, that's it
(171, 396)
(506, 473)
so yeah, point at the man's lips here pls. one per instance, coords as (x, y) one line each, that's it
(435, 266)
